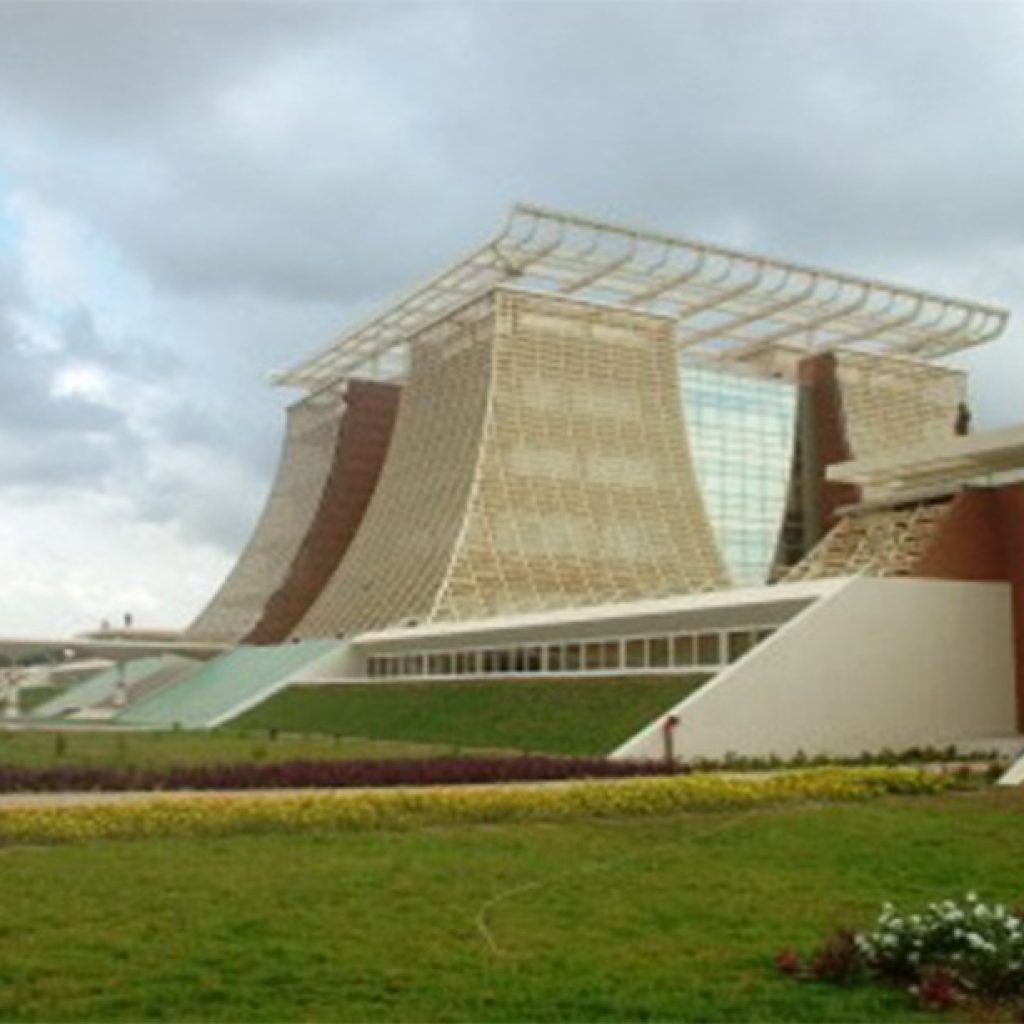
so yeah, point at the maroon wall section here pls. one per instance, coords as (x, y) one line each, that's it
(364, 434)
(966, 544)
(830, 443)
(1010, 504)
(982, 538)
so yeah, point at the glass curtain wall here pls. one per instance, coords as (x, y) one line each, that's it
(741, 431)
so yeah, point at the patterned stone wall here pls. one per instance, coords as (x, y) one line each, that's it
(585, 490)
(305, 462)
(397, 563)
(359, 454)
(539, 460)
(890, 403)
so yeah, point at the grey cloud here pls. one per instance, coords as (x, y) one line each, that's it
(273, 170)
(135, 357)
(26, 403)
(835, 131)
(125, 70)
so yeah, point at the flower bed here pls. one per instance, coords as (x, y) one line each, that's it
(207, 814)
(322, 774)
(947, 954)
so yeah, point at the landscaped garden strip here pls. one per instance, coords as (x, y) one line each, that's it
(122, 748)
(212, 815)
(322, 774)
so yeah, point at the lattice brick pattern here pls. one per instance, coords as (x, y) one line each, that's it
(359, 456)
(396, 565)
(305, 462)
(585, 491)
(891, 403)
(882, 542)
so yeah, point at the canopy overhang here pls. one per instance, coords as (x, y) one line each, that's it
(728, 305)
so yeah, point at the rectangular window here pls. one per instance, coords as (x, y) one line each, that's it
(490, 662)
(657, 652)
(683, 652)
(636, 653)
(611, 654)
(555, 658)
(708, 649)
(533, 658)
(740, 641)
(572, 657)
(505, 661)
(593, 657)
(412, 665)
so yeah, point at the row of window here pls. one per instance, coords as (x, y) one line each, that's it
(706, 650)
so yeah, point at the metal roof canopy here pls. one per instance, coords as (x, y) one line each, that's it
(958, 459)
(727, 304)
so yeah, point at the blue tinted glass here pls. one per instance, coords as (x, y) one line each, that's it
(741, 432)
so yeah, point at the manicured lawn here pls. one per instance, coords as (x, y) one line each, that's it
(163, 748)
(563, 716)
(33, 696)
(672, 918)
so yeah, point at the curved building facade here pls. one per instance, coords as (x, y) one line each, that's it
(303, 467)
(539, 460)
(335, 444)
(580, 413)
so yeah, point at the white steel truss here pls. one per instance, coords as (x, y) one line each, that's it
(727, 304)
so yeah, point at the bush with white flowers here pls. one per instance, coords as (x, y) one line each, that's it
(980, 945)
(948, 953)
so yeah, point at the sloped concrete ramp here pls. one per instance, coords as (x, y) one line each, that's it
(98, 688)
(223, 688)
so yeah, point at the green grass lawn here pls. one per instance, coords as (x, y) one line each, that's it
(563, 716)
(30, 697)
(163, 748)
(665, 919)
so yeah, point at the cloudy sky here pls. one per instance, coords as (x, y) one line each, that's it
(193, 194)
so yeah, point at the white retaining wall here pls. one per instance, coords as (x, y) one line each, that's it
(880, 663)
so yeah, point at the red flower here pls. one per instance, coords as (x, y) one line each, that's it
(937, 990)
(787, 961)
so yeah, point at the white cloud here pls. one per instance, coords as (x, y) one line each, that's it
(74, 559)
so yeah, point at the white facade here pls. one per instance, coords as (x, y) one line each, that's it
(880, 663)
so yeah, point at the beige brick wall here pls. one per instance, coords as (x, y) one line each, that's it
(539, 459)
(891, 403)
(397, 562)
(585, 490)
(306, 455)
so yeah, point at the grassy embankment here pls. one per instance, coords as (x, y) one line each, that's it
(396, 720)
(564, 716)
